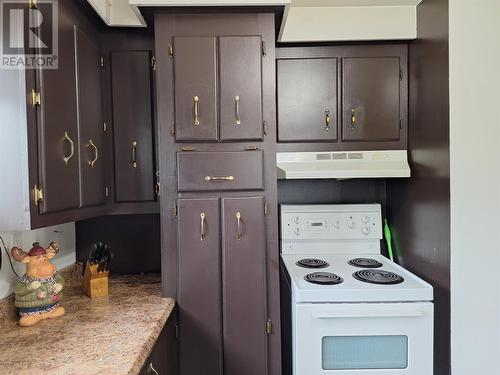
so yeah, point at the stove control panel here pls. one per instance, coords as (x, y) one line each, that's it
(331, 222)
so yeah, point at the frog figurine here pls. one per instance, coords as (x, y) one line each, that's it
(38, 292)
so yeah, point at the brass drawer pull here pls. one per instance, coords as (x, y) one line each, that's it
(96, 153)
(219, 178)
(237, 104)
(327, 120)
(353, 118)
(134, 154)
(238, 224)
(153, 369)
(202, 226)
(72, 147)
(196, 101)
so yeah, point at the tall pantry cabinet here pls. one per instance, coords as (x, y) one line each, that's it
(217, 134)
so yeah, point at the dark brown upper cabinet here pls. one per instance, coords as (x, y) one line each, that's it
(307, 99)
(90, 120)
(371, 99)
(195, 75)
(133, 126)
(199, 297)
(218, 88)
(58, 127)
(240, 87)
(342, 97)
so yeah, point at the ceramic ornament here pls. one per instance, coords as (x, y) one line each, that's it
(38, 292)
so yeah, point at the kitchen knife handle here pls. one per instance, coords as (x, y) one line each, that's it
(238, 225)
(202, 226)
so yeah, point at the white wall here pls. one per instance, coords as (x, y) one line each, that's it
(63, 234)
(475, 186)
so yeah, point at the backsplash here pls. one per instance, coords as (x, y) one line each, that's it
(63, 234)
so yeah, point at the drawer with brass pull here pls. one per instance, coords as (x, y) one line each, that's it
(216, 171)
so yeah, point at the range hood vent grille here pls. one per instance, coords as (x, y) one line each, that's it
(343, 164)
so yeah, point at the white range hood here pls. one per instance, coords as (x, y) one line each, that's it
(343, 164)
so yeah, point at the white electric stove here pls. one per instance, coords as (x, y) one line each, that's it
(352, 311)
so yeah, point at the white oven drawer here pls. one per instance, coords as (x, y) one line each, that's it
(363, 339)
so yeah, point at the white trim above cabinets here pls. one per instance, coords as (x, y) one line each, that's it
(349, 20)
(118, 13)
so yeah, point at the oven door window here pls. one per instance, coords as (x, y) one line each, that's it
(364, 352)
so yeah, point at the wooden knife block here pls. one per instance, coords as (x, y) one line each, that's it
(95, 284)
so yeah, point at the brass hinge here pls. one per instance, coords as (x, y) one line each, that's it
(36, 98)
(37, 195)
(251, 148)
(33, 4)
(104, 127)
(264, 125)
(269, 327)
(106, 191)
(267, 208)
(153, 63)
(264, 50)
(101, 61)
(172, 129)
(174, 211)
(400, 74)
(176, 331)
(188, 148)
(157, 188)
(171, 50)
(400, 123)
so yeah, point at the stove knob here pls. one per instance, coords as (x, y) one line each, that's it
(351, 223)
(296, 220)
(365, 219)
(296, 231)
(366, 231)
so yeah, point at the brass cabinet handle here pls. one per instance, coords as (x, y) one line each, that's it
(237, 104)
(152, 368)
(96, 153)
(196, 101)
(134, 154)
(353, 118)
(202, 226)
(72, 147)
(327, 120)
(219, 178)
(238, 224)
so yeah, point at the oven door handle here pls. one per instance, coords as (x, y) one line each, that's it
(366, 314)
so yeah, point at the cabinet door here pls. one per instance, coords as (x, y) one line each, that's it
(58, 128)
(200, 345)
(307, 99)
(195, 70)
(371, 99)
(132, 126)
(89, 120)
(244, 286)
(240, 60)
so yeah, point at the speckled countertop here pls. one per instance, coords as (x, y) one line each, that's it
(112, 335)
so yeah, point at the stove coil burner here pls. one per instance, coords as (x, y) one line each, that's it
(378, 277)
(365, 263)
(312, 263)
(323, 278)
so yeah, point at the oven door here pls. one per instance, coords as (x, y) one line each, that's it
(363, 339)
